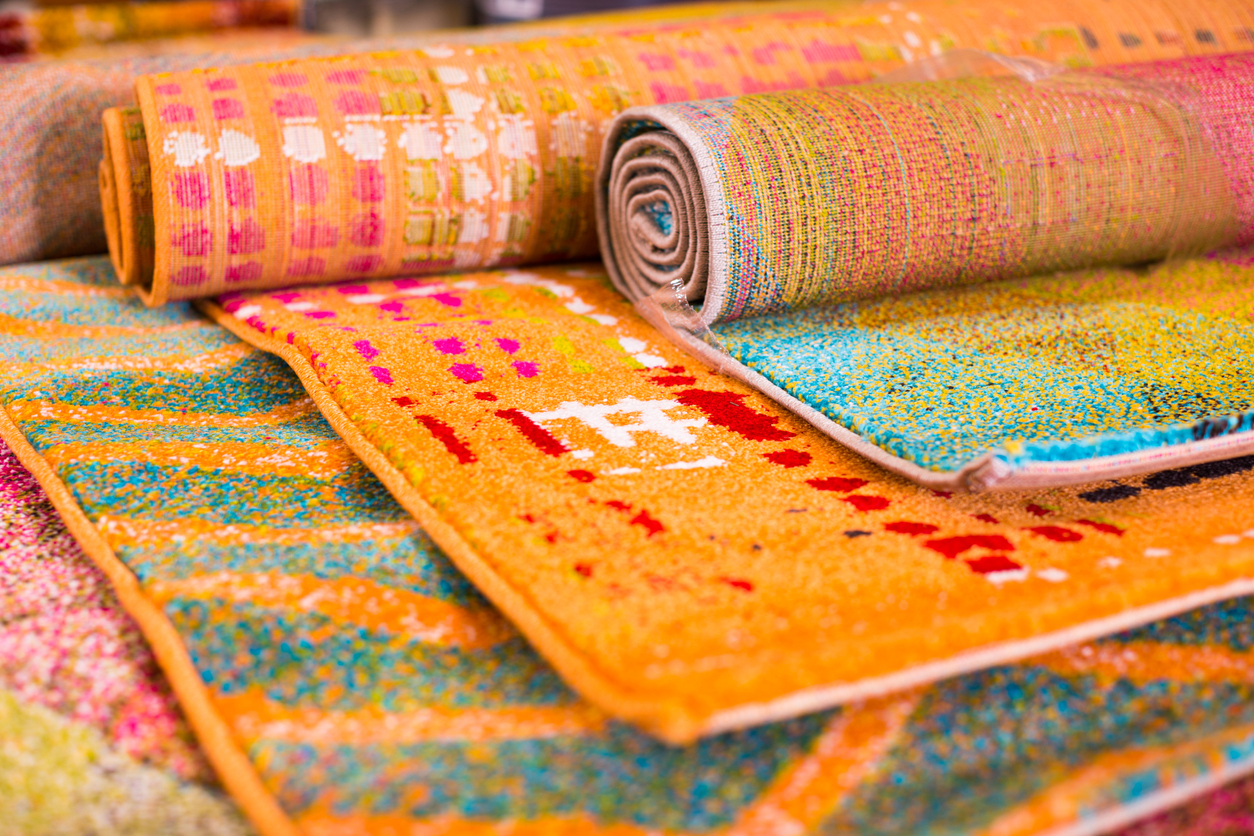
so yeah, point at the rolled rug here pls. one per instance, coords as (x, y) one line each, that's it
(420, 161)
(49, 188)
(822, 234)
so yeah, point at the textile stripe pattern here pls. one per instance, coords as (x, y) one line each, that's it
(421, 161)
(50, 203)
(369, 686)
(49, 185)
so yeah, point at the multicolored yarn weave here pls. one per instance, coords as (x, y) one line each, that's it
(91, 740)
(814, 197)
(421, 161)
(772, 208)
(345, 678)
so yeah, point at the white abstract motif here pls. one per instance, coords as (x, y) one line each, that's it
(465, 141)
(187, 147)
(556, 288)
(1007, 576)
(304, 143)
(474, 227)
(362, 142)
(464, 105)
(451, 75)
(708, 461)
(437, 51)
(236, 148)
(570, 136)
(516, 140)
(475, 183)
(651, 417)
(421, 141)
(638, 349)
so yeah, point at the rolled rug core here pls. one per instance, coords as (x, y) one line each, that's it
(657, 221)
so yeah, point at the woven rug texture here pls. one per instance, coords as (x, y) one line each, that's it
(453, 157)
(593, 481)
(49, 188)
(91, 738)
(485, 553)
(344, 677)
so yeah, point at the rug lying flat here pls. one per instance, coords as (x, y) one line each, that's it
(420, 161)
(691, 556)
(345, 678)
(91, 740)
(767, 210)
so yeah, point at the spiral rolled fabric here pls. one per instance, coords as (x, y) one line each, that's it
(784, 215)
(422, 161)
(780, 201)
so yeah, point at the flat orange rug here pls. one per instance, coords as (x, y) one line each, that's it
(692, 557)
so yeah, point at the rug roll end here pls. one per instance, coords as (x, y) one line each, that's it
(126, 196)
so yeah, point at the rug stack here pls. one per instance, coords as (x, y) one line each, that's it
(747, 419)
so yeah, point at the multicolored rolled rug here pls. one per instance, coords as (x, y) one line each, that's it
(801, 223)
(49, 186)
(409, 162)
(344, 677)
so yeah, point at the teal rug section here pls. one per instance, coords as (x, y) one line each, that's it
(1057, 368)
